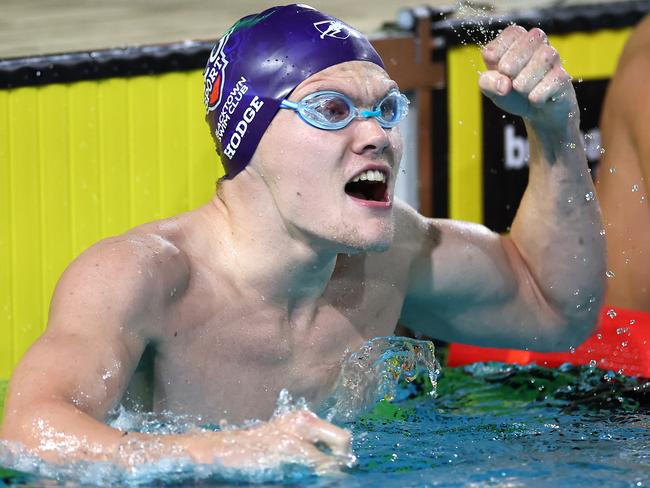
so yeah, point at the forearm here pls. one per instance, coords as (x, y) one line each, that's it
(58, 432)
(558, 226)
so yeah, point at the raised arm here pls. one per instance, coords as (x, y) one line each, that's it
(107, 306)
(541, 286)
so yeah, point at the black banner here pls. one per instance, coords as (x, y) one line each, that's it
(505, 153)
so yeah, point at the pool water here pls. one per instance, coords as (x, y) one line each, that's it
(490, 425)
(504, 425)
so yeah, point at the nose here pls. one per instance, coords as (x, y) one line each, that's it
(370, 138)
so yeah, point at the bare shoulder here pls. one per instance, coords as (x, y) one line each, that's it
(133, 257)
(122, 276)
(626, 108)
(423, 234)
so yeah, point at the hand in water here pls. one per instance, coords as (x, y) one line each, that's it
(525, 77)
(298, 437)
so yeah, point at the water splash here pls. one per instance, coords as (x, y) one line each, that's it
(476, 23)
(29, 469)
(373, 373)
(285, 404)
(367, 375)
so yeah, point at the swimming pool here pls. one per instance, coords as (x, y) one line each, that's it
(490, 425)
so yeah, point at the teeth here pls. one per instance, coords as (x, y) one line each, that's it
(370, 175)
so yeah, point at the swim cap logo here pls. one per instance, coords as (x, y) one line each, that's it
(214, 75)
(332, 28)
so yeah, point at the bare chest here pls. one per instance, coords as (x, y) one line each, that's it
(227, 358)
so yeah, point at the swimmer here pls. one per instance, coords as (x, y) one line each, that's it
(304, 253)
(624, 177)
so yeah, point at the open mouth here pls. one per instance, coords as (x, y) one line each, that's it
(370, 185)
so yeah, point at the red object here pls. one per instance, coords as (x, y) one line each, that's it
(620, 343)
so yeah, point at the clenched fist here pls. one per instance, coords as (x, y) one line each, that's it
(525, 77)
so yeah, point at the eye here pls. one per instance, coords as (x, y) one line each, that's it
(388, 108)
(333, 109)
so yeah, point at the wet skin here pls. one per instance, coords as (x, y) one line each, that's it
(273, 281)
(625, 165)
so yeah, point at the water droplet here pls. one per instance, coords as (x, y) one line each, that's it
(621, 330)
(624, 344)
(611, 313)
(592, 363)
(635, 187)
(609, 274)
(599, 336)
(632, 322)
(612, 169)
(576, 292)
(589, 196)
(569, 200)
(602, 232)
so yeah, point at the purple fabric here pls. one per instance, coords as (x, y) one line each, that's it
(259, 62)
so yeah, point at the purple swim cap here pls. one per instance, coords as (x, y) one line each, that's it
(259, 62)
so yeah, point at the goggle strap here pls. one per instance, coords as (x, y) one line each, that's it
(288, 104)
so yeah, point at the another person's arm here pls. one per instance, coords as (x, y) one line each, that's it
(623, 178)
(106, 307)
(541, 286)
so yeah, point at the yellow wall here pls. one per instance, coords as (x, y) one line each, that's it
(586, 55)
(82, 161)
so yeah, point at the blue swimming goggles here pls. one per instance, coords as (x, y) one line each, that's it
(330, 110)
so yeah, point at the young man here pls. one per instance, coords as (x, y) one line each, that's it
(303, 254)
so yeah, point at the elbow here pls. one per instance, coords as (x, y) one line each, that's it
(17, 428)
(578, 317)
(568, 330)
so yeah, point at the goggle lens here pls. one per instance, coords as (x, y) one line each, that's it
(327, 109)
(389, 109)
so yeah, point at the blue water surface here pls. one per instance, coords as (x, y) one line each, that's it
(490, 425)
(503, 425)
